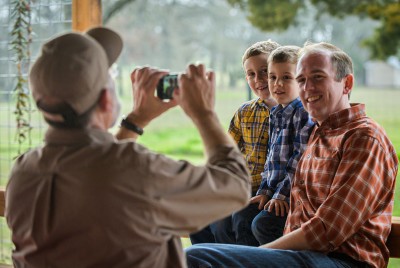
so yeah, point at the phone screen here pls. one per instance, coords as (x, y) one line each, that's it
(166, 86)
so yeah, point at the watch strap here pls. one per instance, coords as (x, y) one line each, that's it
(131, 126)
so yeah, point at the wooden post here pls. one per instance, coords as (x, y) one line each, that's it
(86, 14)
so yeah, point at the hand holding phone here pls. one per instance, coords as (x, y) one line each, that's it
(166, 86)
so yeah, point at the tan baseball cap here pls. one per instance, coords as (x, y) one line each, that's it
(73, 67)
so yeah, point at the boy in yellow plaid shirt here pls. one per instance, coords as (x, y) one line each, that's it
(249, 128)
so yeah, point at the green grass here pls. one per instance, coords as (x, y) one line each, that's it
(174, 134)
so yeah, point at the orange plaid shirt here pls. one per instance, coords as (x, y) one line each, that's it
(343, 191)
(249, 128)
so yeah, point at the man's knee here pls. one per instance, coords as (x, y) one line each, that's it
(259, 221)
(196, 256)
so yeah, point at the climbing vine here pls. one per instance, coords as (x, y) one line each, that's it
(20, 43)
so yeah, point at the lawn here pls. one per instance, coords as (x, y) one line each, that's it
(174, 134)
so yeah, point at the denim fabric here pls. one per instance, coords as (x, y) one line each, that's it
(234, 229)
(241, 225)
(267, 227)
(223, 255)
(217, 232)
(205, 235)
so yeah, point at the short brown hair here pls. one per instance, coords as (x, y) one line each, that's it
(262, 47)
(282, 54)
(341, 62)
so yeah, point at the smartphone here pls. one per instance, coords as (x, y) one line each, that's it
(166, 86)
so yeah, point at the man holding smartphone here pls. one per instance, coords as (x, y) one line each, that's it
(85, 199)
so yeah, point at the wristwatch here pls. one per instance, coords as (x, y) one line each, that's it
(131, 126)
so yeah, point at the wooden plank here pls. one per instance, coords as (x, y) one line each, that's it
(393, 242)
(86, 14)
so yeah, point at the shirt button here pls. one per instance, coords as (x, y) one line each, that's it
(277, 129)
(301, 182)
(308, 156)
(298, 203)
(276, 149)
(331, 247)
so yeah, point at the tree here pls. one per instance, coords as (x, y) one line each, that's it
(171, 33)
(113, 8)
(280, 14)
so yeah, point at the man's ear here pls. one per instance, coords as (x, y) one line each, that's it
(348, 83)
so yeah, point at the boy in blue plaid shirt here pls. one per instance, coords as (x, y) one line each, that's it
(249, 128)
(290, 128)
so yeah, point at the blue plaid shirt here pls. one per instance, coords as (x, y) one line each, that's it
(290, 128)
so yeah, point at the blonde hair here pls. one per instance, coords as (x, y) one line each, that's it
(262, 47)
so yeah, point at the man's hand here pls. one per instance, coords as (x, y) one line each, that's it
(146, 106)
(196, 96)
(261, 199)
(281, 207)
(196, 93)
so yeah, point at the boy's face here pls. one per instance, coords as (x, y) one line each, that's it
(282, 83)
(256, 70)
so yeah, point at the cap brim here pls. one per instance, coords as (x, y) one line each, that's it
(109, 40)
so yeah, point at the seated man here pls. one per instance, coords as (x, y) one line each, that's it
(342, 194)
(85, 199)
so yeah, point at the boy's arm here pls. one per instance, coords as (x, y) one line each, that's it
(235, 131)
(303, 126)
(263, 189)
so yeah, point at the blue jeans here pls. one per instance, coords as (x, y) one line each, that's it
(267, 227)
(234, 229)
(222, 255)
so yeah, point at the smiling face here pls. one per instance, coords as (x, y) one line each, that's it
(256, 70)
(282, 84)
(320, 93)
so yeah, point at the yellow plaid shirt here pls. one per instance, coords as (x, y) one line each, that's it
(249, 128)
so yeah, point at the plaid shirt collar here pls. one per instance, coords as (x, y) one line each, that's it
(288, 110)
(259, 102)
(338, 119)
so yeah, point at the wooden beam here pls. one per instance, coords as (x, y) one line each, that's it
(86, 14)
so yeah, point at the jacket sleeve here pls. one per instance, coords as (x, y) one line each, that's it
(187, 197)
(235, 130)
